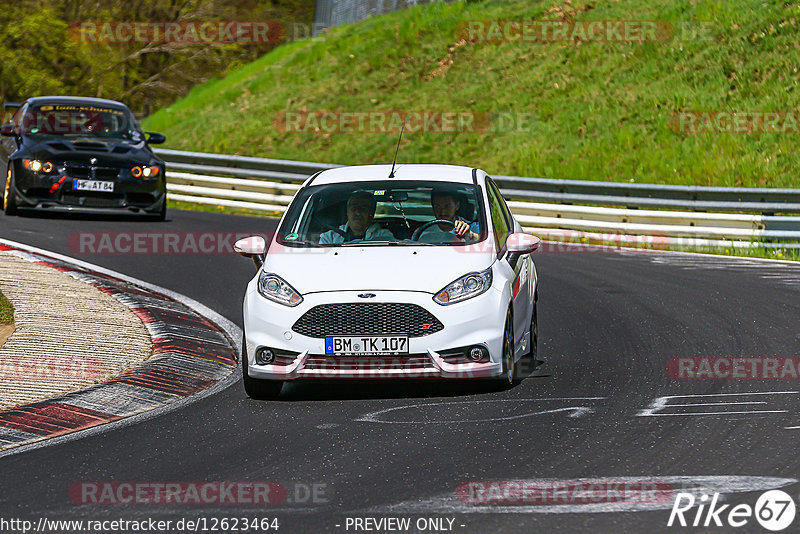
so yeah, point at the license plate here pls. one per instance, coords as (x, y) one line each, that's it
(93, 185)
(366, 345)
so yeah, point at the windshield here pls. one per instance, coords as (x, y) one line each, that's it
(81, 120)
(377, 213)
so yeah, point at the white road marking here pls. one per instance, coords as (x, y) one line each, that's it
(715, 413)
(326, 426)
(780, 271)
(574, 411)
(663, 403)
(721, 403)
(448, 503)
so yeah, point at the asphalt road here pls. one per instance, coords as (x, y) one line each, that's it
(609, 323)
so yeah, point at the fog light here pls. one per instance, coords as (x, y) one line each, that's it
(476, 354)
(264, 356)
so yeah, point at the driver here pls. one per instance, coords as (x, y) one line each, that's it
(445, 204)
(359, 225)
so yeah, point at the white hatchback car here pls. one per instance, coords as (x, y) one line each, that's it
(425, 274)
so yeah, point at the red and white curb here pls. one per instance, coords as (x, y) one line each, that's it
(194, 350)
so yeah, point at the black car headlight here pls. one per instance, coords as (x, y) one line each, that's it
(36, 165)
(145, 171)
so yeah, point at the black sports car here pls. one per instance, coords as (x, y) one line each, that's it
(74, 153)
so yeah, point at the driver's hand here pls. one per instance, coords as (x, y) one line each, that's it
(460, 228)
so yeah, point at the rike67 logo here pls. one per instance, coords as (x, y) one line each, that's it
(774, 510)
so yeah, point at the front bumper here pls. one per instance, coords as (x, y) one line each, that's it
(52, 193)
(467, 323)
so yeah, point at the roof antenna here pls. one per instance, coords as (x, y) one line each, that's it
(391, 174)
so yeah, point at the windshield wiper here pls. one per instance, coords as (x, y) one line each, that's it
(362, 242)
(305, 243)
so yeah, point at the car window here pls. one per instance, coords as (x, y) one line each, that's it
(16, 119)
(400, 213)
(81, 120)
(503, 205)
(500, 224)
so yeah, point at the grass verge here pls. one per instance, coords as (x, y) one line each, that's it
(213, 208)
(6, 310)
(572, 109)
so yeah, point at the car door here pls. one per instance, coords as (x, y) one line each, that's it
(504, 224)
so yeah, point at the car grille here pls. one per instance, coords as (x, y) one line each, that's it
(356, 319)
(89, 199)
(367, 363)
(85, 171)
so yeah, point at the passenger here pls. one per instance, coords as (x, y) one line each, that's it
(360, 212)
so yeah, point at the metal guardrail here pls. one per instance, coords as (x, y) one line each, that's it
(329, 13)
(553, 208)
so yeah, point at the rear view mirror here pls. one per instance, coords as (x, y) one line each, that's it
(155, 138)
(522, 243)
(7, 130)
(253, 247)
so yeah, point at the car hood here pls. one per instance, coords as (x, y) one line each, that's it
(84, 149)
(371, 268)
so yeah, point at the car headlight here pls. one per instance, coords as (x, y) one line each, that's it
(145, 171)
(36, 166)
(275, 288)
(468, 286)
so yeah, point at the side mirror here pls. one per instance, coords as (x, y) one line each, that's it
(7, 130)
(155, 138)
(253, 247)
(522, 243)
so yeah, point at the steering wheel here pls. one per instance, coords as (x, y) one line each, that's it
(418, 232)
(335, 229)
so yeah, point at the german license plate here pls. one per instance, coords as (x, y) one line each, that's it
(93, 185)
(366, 345)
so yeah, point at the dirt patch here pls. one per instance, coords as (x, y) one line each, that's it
(5, 332)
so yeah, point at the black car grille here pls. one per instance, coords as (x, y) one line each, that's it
(89, 199)
(356, 319)
(316, 362)
(85, 171)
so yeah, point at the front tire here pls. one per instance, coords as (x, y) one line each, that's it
(533, 351)
(162, 213)
(510, 374)
(9, 203)
(257, 388)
